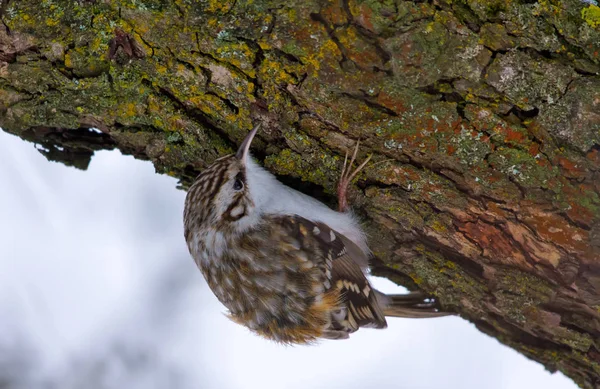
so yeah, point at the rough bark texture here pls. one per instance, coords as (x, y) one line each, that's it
(483, 118)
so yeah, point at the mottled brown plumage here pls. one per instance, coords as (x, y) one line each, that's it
(284, 265)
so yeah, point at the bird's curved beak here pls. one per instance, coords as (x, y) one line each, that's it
(242, 152)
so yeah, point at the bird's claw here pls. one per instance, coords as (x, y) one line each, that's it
(347, 176)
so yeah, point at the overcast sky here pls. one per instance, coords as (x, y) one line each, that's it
(97, 290)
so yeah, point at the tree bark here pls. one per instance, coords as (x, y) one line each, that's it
(483, 119)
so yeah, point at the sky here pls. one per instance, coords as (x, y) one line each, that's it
(98, 290)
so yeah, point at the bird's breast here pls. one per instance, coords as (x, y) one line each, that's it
(279, 295)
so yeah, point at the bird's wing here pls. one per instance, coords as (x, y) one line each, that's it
(360, 307)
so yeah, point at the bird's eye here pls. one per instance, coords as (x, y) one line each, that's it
(238, 184)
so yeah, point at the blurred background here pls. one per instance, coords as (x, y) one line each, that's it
(97, 290)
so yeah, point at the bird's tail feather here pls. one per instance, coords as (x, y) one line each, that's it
(411, 305)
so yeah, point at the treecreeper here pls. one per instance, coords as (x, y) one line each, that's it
(284, 264)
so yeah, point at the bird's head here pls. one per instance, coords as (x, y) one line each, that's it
(220, 197)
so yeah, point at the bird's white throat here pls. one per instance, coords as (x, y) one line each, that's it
(271, 197)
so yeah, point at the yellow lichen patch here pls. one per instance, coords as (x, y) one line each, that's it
(357, 49)
(127, 111)
(292, 14)
(212, 22)
(52, 22)
(161, 69)
(153, 105)
(214, 6)
(591, 15)
(213, 106)
(264, 45)
(68, 61)
(328, 51)
(275, 73)
(438, 226)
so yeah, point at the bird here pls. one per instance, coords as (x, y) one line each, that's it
(284, 264)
